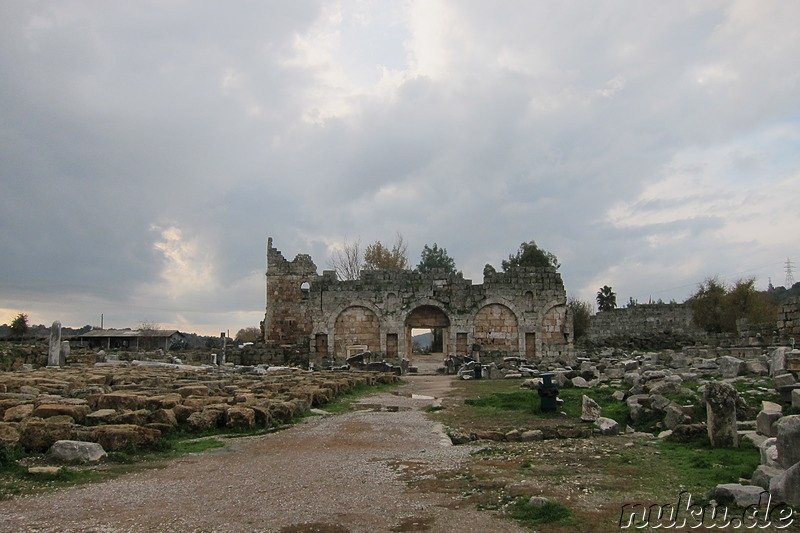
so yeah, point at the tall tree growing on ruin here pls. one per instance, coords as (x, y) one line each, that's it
(435, 257)
(530, 255)
(606, 298)
(378, 257)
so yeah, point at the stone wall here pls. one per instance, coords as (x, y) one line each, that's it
(522, 312)
(789, 319)
(645, 326)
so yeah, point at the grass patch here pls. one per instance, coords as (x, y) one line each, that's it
(197, 446)
(701, 467)
(548, 513)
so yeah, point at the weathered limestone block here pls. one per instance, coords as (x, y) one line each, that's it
(164, 416)
(763, 476)
(532, 435)
(590, 409)
(720, 400)
(101, 416)
(9, 433)
(193, 390)
(74, 451)
(140, 417)
(742, 495)
(785, 486)
(783, 380)
(204, 420)
(796, 398)
(261, 411)
(764, 421)
(240, 417)
(579, 382)
(121, 401)
(777, 361)
(38, 434)
(76, 412)
(607, 426)
(115, 437)
(515, 435)
(730, 367)
(675, 416)
(758, 367)
(18, 412)
(788, 440)
(162, 401)
(489, 435)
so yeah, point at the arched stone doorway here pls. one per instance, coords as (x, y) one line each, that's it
(432, 318)
(496, 329)
(357, 329)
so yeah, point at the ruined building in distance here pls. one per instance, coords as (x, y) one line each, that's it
(518, 313)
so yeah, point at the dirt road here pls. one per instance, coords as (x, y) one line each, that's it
(337, 473)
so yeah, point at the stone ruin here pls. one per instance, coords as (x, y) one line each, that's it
(518, 313)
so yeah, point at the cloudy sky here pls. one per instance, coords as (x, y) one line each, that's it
(148, 149)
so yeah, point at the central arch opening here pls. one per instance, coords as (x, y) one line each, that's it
(427, 334)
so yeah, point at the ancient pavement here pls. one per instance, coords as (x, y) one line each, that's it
(334, 474)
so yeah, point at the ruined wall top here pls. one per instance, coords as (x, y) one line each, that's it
(301, 265)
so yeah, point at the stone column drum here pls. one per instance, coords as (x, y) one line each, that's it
(720, 400)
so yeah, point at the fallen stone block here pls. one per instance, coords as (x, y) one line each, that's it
(764, 422)
(531, 435)
(607, 426)
(788, 440)
(763, 476)
(73, 451)
(785, 487)
(741, 495)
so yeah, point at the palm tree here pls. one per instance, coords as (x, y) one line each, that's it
(606, 298)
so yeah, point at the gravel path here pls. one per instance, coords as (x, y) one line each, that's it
(328, 474)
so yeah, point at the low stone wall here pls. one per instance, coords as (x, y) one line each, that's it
(120, 405)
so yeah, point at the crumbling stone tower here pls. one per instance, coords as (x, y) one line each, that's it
(518, 313)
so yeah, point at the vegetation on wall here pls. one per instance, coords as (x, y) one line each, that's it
(530, 255)
(581, 312)
(435, 257)
(716, 306)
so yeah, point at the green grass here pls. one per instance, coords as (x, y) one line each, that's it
(549, 513)
(197, 445)
(702, 467)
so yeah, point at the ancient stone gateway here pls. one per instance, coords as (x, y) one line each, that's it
(519, 313)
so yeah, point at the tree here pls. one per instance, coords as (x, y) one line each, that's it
(19, 326)
(530, 255)
(248, 335)
(716, 307)
(347, 260)
(435, 257)
(379, 257)
(581, 312)
(606, 298)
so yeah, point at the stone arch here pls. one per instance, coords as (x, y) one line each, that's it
(428, 316)
(496, 328)
(553, 320)
(356, 328)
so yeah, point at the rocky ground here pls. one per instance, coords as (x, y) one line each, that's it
(334, 473)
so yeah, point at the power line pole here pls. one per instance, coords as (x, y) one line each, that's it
(789, 274)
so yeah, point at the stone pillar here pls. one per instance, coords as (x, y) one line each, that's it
(720, 400)
(54, 353)
(63, 353)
